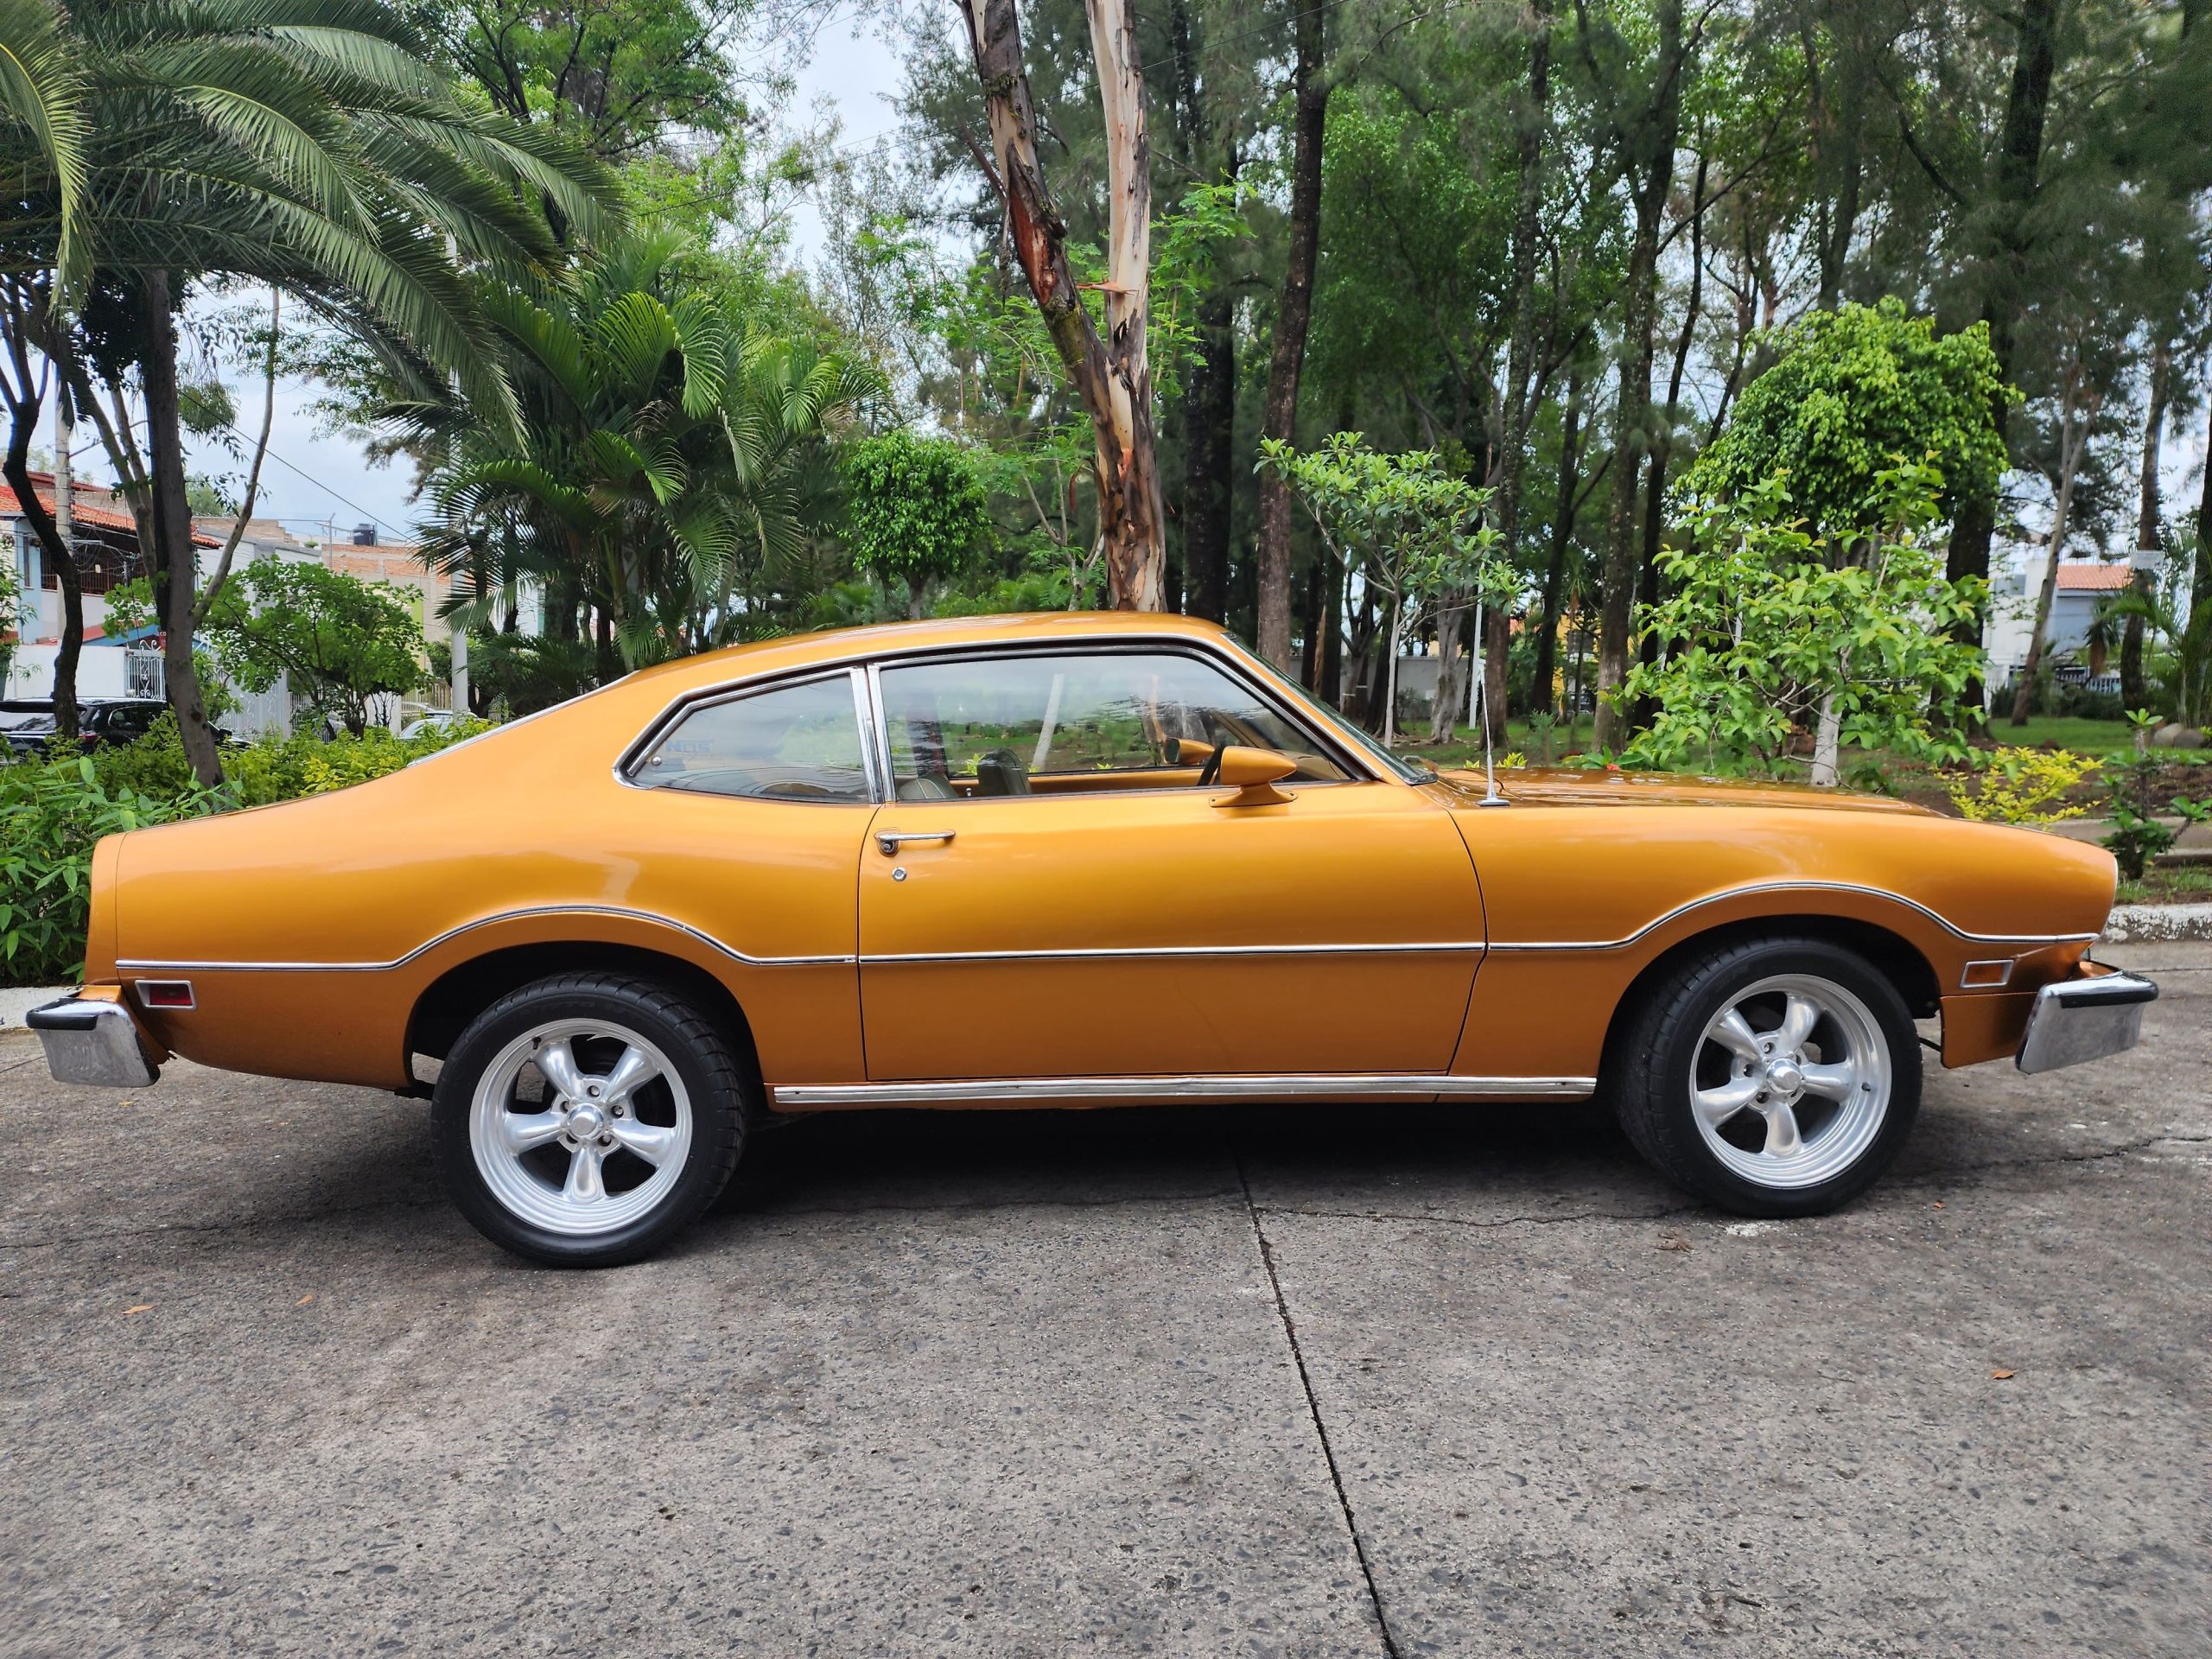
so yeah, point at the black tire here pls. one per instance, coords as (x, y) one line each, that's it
(713, 1088)
(1662, 1054)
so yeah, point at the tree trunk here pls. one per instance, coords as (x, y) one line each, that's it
(1519, 368)
(1662, 433)
(175, 577)
(1209, 387)
(1654, 150)
(1444, 715)
(1310, 92)
(52, 530)
(1209, 428)
(2072, 437)
(1113, 378)
(2200, 588)
(2148, 537)
(1827, 743)
(2019, 161)
(1547, 643)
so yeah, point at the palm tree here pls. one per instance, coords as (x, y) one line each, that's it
(301, 143)
(664, 477)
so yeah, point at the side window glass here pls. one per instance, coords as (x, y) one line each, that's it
(1075, 723)
(797, 743)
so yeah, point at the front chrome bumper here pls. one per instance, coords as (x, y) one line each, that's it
(95, 1042)
(2078, 1019)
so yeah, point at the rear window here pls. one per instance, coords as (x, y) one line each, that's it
(792, 743)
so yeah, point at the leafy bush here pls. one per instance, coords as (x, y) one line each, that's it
(54, 811)
(52, 814)
(2136, 836)
(2022, 786)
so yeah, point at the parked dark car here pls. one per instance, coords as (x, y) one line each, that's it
(28, 726)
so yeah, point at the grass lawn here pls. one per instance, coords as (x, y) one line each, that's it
(2172, 884)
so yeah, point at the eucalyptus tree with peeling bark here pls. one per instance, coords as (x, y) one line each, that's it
(1112, 375)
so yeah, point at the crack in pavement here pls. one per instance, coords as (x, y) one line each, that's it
(1467, 1221)
(2126, 1149)
(1313, 1411)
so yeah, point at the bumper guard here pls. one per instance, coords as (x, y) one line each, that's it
(2078, 1019)
(89, 1041)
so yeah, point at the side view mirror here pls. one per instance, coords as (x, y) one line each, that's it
(1189, 751)
(1253, 773)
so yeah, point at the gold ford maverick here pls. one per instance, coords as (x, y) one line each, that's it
(1066, 860)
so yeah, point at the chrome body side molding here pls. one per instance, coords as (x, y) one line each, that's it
(1936, 916)
(137, 966)
(1228, 1086)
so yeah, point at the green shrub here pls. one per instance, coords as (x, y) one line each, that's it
(52, 814)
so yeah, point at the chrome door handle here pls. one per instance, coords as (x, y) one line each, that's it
(890, 841)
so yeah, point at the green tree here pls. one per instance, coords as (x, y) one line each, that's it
(1402, 522)
(669, 476)
(1768, 623)
(303, 143)
(338, 642)
(915, 511)
(1850, 393)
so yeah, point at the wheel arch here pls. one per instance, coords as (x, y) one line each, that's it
(448, 1003)
(1889, 952)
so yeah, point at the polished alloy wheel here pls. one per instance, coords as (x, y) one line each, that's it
(580, 1126)
(1790, 1083)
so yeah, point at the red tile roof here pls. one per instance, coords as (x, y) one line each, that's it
(2086, 576)
(81, 512)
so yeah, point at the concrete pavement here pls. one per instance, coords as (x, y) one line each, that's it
(1460, 1380)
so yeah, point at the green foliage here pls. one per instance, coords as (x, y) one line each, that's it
(52, 813)
(337, 641)
(2017, 785)
(2137, 837)
(10, 600)
(1852, 393)
(671, 469)
(1403, 522)
(1764, 620)
(915, 511)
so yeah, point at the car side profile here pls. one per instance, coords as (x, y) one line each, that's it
(1070, 860)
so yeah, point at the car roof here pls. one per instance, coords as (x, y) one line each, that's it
(788, 652)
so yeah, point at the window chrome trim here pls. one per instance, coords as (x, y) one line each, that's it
(684, 707)
(1356, 767)
(1185, 1086)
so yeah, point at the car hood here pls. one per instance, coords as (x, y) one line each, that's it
(1609, 786)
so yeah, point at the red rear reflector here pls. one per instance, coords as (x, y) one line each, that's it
(165, 993)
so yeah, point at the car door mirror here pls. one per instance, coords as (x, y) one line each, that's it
(1252, 774)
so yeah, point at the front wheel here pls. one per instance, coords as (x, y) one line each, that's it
(582, 1121)
(1774, 1077)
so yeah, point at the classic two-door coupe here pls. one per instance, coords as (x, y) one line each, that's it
(1065, 860)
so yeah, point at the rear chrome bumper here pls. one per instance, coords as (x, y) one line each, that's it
(92, 1041)
(2078, 1019)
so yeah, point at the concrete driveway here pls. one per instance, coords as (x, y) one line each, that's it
(1462, 1381)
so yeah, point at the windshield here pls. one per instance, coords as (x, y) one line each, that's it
(1410, 771)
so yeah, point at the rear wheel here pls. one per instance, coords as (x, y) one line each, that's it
(583, 1120)
(1772, 1077)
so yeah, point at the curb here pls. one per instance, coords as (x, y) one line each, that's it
(2136, 923)
(17, 1001)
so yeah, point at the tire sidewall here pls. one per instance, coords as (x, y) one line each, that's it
(717, 1119)
(1708, 990)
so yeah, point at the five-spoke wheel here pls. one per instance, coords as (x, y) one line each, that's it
(1773, 1077)
(582, 1120)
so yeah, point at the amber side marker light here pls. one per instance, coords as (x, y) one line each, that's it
(165, 993)
(1985, 975)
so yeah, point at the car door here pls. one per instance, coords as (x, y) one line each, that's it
(1053, 893)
